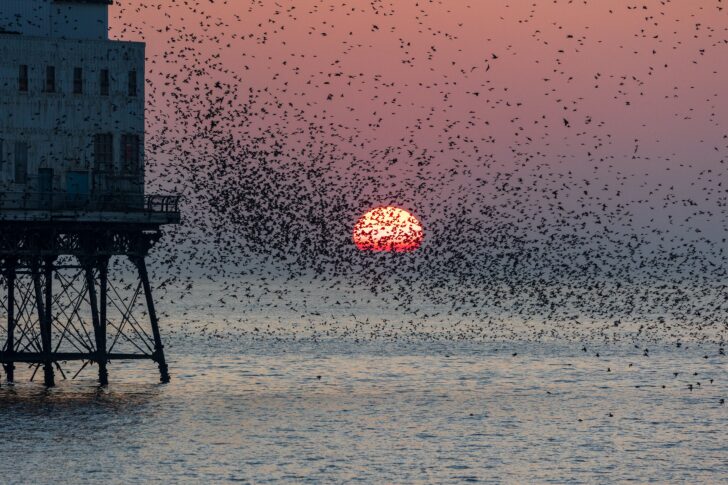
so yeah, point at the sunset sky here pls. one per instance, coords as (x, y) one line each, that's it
(611, 104)
(382, 241)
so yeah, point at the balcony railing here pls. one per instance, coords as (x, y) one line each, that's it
(114, 202)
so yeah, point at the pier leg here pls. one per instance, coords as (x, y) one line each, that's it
(158, 347)
(44, 317)
(99, 329)
(10, 365)
(103, 286)
(48, 377)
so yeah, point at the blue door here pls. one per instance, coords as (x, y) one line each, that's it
(77, 189)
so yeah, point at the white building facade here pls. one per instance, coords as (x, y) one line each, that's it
(71, 106)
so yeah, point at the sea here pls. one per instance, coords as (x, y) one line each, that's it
(271, 409)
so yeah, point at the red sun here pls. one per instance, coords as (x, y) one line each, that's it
(388, 229)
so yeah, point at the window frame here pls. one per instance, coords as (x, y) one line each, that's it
(133, 84)
(23, 78)
(130, 153)
(104, 82)
(103, 152)
(17, 163)
(77, 80)
(50, 80)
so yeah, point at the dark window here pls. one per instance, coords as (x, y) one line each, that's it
(50, 82)
(21, 162)
(104, 82)
(23, 78)
(130, 153)
(132, 83)
(103, 152)
(77, 80)
(45, 183)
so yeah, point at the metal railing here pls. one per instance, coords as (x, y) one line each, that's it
(162, 203)
(113, 202)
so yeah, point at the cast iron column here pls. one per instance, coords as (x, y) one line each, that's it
(99, 331)
(44, 316)
(158, 347)
(10, 278)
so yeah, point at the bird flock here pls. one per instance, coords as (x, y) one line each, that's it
(566, 160)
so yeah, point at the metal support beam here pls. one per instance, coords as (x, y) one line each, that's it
(44, 317)
(158, 347)
(101, 347)
(87, 316)
(48, 378)
(35, 358)
(99, 330)
(10, 348)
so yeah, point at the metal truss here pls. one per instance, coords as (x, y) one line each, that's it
(60, 307)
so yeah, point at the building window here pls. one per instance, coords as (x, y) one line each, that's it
(104, 82)
(23, 78)
(50, 81)
(21, 162)
(130, 153)
(103, 152)
(45, 183)
(77, 80)
(132, 83)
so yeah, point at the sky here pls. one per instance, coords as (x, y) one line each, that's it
(547, 117)
(648, 71)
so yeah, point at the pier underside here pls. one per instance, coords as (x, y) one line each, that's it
(75, 296)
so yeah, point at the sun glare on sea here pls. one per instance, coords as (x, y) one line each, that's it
(389, 229)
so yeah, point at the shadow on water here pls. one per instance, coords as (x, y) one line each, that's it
(76, 397)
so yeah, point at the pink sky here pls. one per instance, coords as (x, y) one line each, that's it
(642, 85)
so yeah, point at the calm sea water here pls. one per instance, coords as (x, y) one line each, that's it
(336, 411)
